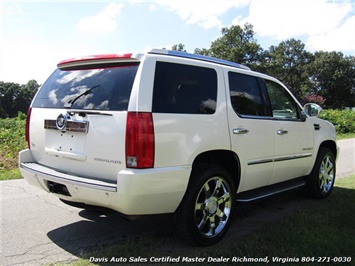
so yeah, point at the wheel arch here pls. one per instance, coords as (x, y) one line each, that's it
(224, 158)
(330, 144)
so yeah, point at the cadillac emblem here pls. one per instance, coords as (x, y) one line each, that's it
(61, 122)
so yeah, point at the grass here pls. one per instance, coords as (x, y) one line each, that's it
(324, 229)
(12, 140)
(10, 174)
(345, 136)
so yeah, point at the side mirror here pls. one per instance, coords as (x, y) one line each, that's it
(312, 109)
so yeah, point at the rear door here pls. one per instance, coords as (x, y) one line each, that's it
(252, 132)
(78, 119)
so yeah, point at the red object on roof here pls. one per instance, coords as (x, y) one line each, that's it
(94, 57)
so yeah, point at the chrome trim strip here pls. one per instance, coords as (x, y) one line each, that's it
(280, 159)
(292, 157)
(260, 161)
(62, 178)
(72, 126)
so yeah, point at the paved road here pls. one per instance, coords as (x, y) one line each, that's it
(36, 228)
(346, 159)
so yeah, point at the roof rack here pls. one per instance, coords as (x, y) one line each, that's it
(198, 57)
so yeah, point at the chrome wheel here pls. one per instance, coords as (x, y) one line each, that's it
(326, 174)
(213, 207)
(321, 180)
(206, 211)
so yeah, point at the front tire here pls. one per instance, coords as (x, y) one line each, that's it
(207, 208)
(321, 180)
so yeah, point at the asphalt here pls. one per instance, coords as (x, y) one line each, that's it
(346, 158)
(37, 228)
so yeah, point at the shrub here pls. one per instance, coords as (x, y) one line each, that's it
(343, 120)
(12, 140)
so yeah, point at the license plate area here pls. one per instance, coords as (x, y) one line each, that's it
(71, 142)
(66, 134)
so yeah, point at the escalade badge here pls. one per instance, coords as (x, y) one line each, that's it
(61, 122)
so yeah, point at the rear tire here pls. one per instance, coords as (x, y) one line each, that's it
(321, 180)
(207, 209)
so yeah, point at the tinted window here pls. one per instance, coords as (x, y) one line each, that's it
(184, 89)
(282, 104)
(100, 89)
(245, 94)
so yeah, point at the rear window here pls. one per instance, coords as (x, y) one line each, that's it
(184, 89)
(89, 89)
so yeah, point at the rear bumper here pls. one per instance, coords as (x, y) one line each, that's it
(135, 192)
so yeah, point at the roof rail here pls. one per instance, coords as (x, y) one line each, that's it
(198, 57)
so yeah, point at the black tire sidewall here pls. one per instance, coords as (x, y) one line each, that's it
(185, 215)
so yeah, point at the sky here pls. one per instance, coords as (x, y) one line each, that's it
(36, 35)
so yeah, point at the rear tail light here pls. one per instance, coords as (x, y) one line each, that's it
(28, 119)
(139, 140)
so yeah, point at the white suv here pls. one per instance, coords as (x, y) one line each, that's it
(173, 132)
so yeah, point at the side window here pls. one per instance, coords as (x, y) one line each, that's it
(184, 89)
(245, 94)
(282, 104)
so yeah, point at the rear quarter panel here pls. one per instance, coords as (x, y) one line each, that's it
(180, 138)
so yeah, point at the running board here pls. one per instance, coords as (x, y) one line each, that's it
(270, 190)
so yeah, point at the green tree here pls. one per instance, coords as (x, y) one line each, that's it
(8, 92)
(202, 51)
(25, 96)
(16, 98)
(333, 77)
(237, 45)
(178, 47)
(288, 62)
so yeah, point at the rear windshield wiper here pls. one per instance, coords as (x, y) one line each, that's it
(70, 103)
(85, 113)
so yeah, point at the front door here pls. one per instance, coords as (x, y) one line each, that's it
(293, 144)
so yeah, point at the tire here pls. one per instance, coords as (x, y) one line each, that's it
(321, 180)
(206, 211)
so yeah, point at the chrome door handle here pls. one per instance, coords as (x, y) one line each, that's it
(240, 131)
(281, 132)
